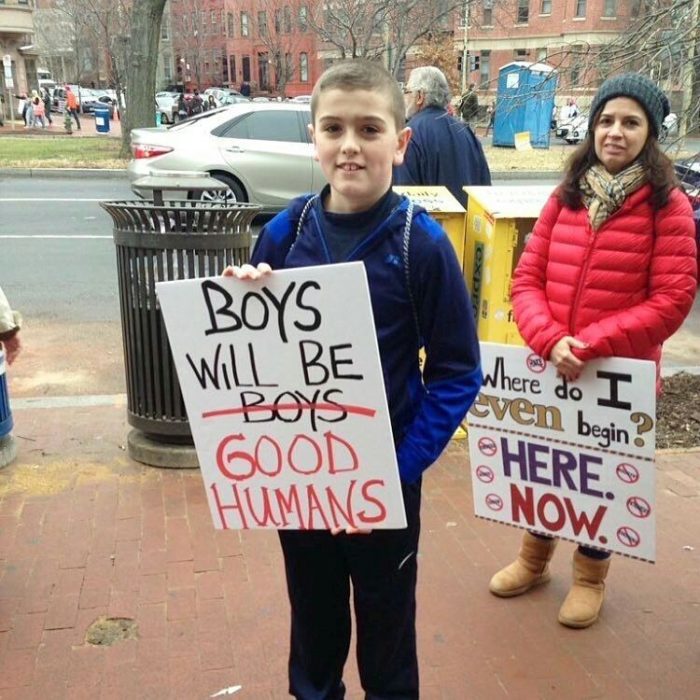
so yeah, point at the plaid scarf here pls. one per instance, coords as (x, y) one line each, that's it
(603, 194)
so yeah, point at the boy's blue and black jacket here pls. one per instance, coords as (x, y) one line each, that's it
(424, 412)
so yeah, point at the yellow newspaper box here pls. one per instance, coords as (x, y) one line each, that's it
(441, 204)
(499, 221)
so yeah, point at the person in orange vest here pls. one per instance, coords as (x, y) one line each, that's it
(72, 105)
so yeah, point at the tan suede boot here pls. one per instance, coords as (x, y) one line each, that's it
(530, 568)
(582, 605)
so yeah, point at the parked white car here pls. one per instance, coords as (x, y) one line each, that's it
(576, 130)
(167, 106)
(262, 151)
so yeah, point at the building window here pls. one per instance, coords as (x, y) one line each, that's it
(485, 69)
(164, 29)
(184, 24)
(304, 67)
(542, 55)
(546, 7)
(262, 23)
(229, 22)
(523, 11)
(278, 21)
(232, 69)
(488, 13)
(288, 66)
(580, 10)
(213, 16)
(610, 8)
(245, 26)
(303, 18)
(246, 68)
(287, 14)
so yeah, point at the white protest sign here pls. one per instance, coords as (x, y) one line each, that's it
(283, 387)
(573, 460)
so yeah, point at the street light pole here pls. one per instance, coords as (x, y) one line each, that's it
(465, 52)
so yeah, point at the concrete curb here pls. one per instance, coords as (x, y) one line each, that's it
(64, 172)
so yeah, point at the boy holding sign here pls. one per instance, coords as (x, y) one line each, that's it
(418, 299)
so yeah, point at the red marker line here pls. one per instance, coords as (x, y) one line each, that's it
(359, 410)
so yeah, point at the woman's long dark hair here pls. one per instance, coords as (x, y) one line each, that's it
(657, 165)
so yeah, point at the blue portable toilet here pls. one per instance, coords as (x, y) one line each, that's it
(524, 102)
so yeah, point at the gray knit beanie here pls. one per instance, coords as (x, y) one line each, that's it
(638, 88)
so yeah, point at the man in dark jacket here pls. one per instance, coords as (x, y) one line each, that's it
(442, 150)
(469, 105)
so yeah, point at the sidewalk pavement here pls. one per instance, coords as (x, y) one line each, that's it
(86, 533)
(87, 124)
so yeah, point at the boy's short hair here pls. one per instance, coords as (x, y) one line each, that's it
(361, 74)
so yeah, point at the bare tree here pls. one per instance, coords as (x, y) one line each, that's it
(188, 36)
(387, 29)
(142, 60)
(276, 26)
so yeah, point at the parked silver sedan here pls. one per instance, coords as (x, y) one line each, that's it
(262, 151)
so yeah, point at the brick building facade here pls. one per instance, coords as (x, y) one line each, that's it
(267, 43)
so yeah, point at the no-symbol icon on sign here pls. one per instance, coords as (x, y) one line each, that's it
(638, 506)
(484, 473)
(627, 473)
(487, 446)
(494, 501)
(628, 536)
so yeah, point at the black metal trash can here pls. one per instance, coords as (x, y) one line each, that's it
(172, 240)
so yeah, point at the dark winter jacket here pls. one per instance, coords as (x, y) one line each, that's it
(424, 413)
(442, 151)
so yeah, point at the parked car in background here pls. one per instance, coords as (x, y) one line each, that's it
(688, 171)
(233, 97)
(576, 130)
(90, 100)
(262, 151)
(302, 99)
(167, 106)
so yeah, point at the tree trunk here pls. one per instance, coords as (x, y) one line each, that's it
(146, 18)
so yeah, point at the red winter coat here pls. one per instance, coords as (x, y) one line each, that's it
(623, 289)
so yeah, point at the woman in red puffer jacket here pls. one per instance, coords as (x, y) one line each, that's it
(610, 271)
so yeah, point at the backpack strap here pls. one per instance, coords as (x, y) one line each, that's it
(405, 249)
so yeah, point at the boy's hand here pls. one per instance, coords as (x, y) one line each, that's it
(567, 364)
(247, 272)
(349, 531)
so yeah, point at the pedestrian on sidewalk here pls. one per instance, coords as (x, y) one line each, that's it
(359, 132)
(22, 103)
(38, 109)
(491, 114)
(72, 106)
(609, 271)
(46, 97)
(10, 324)
(469, 105)
(442, 150)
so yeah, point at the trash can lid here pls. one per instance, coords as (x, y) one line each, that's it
(185, 180)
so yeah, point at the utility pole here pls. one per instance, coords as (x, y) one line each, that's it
(465, 52)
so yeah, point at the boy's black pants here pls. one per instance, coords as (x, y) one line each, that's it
(382, 567)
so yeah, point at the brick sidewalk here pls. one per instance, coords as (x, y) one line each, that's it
(85, 532)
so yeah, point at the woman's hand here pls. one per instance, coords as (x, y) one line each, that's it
(247, 272)
(567, 364)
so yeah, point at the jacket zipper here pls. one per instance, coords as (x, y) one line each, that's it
(582, 276)
(367, 242)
